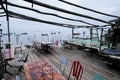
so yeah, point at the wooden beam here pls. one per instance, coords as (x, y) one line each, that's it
(56, 15)
(2, 12)
(101, 37)
(43, 21)
(89, 9)
(2, 15)
(65, 11)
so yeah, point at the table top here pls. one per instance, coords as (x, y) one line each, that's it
(115, 52)
(41, 70)
(46, 42)
(5, 43)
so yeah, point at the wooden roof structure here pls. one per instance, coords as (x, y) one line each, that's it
(9, 13)
(4, 11)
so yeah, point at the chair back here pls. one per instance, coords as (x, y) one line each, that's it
(22, 59)
(34, 45)
(76, 71)
(18, 48)
(56, 43)
(63, 63)
(45, 37)
(26, 58)
(99, 77)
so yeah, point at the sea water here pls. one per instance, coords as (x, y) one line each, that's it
(23, 39)
(17, 38)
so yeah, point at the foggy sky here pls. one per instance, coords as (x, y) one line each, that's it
(17, 25)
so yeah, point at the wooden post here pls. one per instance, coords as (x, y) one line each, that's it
(97, 35)
(32, 4)
(101, 36)
(91, 33)
(72, 32)
(1, 60)
(7, 17)
(114, 36)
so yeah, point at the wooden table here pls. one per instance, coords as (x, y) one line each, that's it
(41, 70)
(46, 46)
(46, 42)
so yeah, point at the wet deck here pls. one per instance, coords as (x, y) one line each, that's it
(91, 65)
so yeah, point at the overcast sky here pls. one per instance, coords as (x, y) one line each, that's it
(106, 6)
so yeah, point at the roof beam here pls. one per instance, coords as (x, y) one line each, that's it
(56, 15)
(65, 11)
(2, 15)
(5, 10)
(2, 12)
(88, 9)
(43, 21)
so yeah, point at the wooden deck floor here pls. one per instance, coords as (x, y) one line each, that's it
(91, 65)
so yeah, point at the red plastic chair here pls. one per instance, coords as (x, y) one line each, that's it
(36, 47)
(56, 44)
(76, 71)
(54, 47)
(34, 44)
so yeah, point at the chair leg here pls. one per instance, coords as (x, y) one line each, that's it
(20, 70)
(8, 72)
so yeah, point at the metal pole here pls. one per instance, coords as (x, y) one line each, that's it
(72, 32)
(8, 31)
(1, 59)
(101, 36)
(91, 33)
(8, 23)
